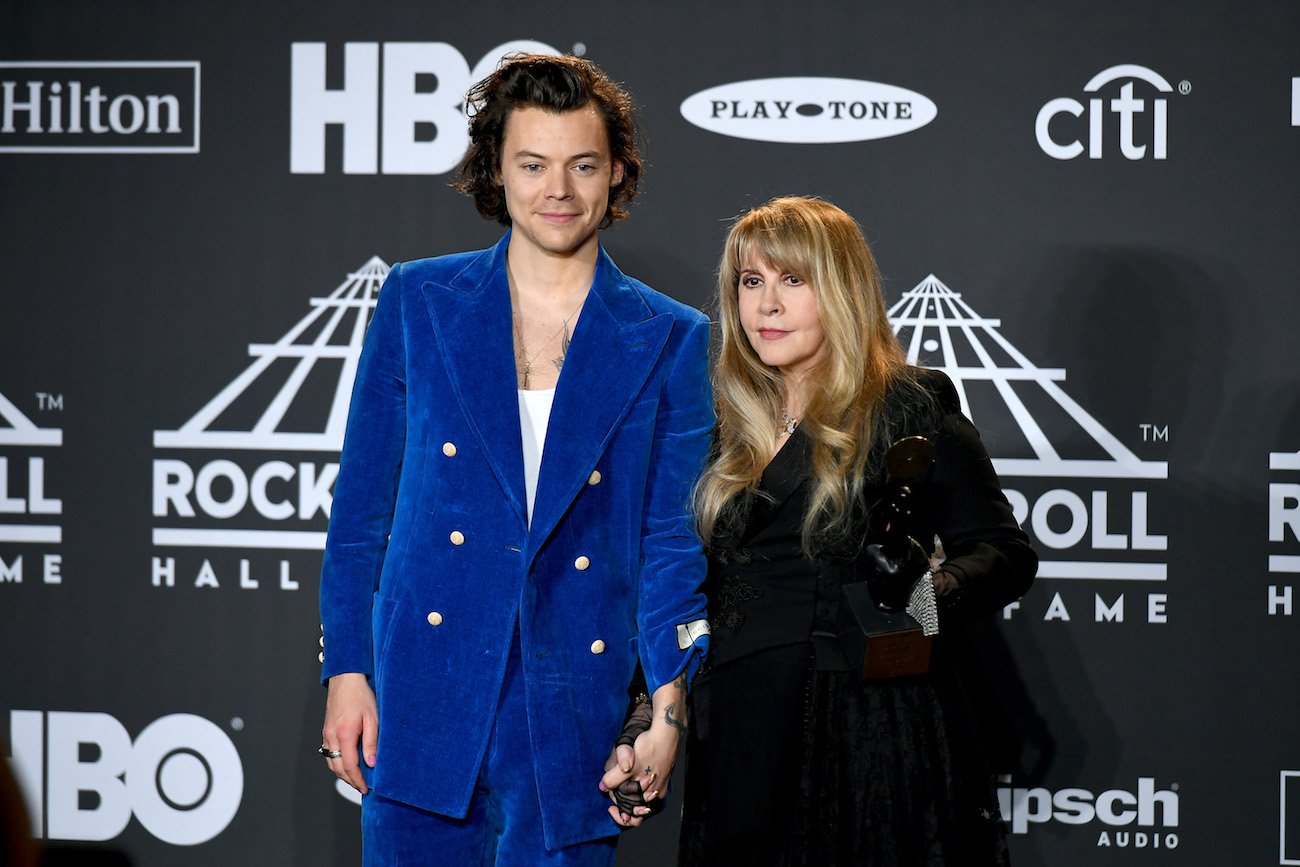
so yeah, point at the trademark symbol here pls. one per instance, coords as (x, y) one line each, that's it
(49, 402)
(579, 49)
(237, 723)
(1184, 87)
(1154, 433)
(1173, 787)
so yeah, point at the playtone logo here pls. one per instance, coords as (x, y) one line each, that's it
(422, 96)
(125, 107)
(1059, 139)
(1077, 490)
(1115, 808)
(254, 469)
(182, 777)
(29, 514)
(808, 110)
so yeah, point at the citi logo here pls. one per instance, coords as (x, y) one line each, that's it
(181, 778)
(254, 468)
(411, 113)
(99, 107)
(1147, 808)
(1139, 124)
(29, 509)
(808, 110)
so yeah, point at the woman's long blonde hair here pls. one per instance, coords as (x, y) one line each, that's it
(824, 246)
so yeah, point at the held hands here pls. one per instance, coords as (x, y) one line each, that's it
(351, 718)
(636, 775)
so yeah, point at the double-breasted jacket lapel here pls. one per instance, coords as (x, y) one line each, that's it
(613, 351)
(472, 324)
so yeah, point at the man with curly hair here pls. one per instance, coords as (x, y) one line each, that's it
(511, 532)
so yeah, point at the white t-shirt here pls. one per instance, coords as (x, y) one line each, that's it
(534, 415)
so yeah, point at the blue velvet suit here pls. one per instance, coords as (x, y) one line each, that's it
(431, 567)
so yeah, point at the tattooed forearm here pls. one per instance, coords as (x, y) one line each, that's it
(673, 721)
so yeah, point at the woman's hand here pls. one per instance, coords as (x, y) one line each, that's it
(649, 762)
(351, 717)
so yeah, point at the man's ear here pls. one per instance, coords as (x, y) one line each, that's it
(616, 173)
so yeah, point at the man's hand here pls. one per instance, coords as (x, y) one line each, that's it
(649, 762)
(351, 718)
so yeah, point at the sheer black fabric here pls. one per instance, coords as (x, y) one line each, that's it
(805, 767)
(792, 759)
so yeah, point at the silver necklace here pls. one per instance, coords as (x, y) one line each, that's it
(788, 423)
(558, 361)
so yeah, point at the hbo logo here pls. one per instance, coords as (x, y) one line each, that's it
(182, 777)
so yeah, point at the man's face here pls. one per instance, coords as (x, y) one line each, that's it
(557, 171)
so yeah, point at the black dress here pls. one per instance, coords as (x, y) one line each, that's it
(791, 757)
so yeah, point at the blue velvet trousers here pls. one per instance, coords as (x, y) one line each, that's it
(504, 824)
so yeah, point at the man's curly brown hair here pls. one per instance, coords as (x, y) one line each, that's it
(557, 84)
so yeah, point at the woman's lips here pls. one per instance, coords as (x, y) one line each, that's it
(771, 333)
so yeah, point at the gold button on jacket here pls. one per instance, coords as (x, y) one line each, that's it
(598, 646)
(434, 618)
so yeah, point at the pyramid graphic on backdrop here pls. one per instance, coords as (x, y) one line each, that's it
(276, 403)
(17, 429)
(940, 330)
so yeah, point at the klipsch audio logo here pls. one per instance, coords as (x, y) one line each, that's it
(135, 107)
(808, 110)
(181, 777)
(30, 515)
(418, 103)
(253, 470)
(1145, 819)
(1078, 491)
(1137, 117)
(1283, 530)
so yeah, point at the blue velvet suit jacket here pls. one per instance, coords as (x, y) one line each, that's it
(430, 561)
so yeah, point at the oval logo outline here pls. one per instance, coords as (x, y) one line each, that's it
(808, 110)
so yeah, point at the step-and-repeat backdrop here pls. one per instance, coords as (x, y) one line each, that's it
(1087, 213)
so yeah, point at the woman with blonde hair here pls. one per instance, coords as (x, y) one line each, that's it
(793, 757)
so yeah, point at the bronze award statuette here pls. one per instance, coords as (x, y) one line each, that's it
(875, 625)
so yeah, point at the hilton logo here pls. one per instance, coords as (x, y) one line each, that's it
(29, 515)
(254, 468)
(140, 107)
(1078, 491)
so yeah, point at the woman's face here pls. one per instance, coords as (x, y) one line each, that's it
(779, 314)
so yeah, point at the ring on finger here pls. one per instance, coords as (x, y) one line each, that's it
(329, 753)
